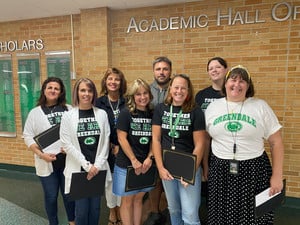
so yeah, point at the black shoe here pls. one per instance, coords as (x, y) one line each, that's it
(153, 219)
(166, 217)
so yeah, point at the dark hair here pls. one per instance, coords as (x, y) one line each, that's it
(123, 84)
(220, 60)
(136, 84)
(242, 72)
(90, 84)
(42, 101)
(162, 59)
(189, 102)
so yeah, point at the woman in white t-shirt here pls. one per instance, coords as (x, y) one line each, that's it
(240, 168)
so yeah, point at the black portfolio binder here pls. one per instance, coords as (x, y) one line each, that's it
(134, 182)
(81, 187)
(269, 204)
(47, 137)
(180, 164)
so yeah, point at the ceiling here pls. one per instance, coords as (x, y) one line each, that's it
(12, 10)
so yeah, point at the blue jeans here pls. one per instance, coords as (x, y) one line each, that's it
(184, 203)
(87, 211)
(51, 185)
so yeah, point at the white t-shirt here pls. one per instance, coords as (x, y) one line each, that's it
(245, 123)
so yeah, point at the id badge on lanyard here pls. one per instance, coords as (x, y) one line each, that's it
(234, 164)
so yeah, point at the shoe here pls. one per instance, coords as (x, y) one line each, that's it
(166, 216)
(153, 219)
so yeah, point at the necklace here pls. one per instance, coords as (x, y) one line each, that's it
(233, 127)
(233, 108)
(116, 111)
(50, 109)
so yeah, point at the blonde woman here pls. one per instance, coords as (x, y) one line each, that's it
(134, 135)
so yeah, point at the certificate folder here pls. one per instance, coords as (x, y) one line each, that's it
(47, 137)
(265, 203)
(134, 182)
(180, 164)
(81, 187)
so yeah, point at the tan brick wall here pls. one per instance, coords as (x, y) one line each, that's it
(270, 50)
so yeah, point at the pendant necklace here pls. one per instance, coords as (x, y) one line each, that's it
(116, 111)
(50, 109)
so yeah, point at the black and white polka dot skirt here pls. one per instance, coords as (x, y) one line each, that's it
(231, 198)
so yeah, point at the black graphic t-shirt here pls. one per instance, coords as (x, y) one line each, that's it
(188, 122)
(138, 127)
(206, 96)
(88, 133)
(54, 113)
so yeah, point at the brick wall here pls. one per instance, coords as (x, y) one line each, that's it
(269, 49)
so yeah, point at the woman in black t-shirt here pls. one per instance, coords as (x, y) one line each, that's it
(179, 125)
(134, 135)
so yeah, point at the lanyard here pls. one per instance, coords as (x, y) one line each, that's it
(234, 133)
(173, 133)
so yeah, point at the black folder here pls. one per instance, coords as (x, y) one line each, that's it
(47, 137)
(135, 182)
(180, 164)
(271, 204)
(81, 187)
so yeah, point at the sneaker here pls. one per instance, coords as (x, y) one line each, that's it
(153, 219)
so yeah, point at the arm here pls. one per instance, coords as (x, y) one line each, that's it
(157, 151)
(200, 138)
(102, 153)
(206, 157)
(104, 142)
(148, 161)
(277, 149)
(48, 157)
(122, 138)
(200, 142)
(29, 132)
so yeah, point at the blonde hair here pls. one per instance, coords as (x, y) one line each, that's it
(132, 90)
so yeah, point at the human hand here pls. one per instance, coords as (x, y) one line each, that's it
(184, 184)
(62, 150)
(48, 157)
(276, 185)
(205, 172)
(146, 165)
(92, 172)
(137, 165)
(165, 175)
(115, 149)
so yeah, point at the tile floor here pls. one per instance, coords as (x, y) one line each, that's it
(21, 202)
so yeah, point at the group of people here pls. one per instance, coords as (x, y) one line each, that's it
(223, 125)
